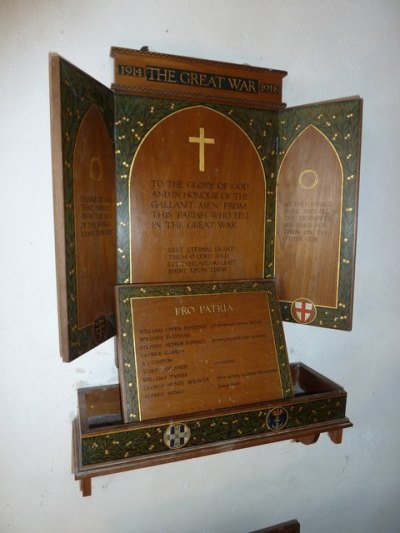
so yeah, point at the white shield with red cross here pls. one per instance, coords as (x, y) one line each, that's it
(303, 311)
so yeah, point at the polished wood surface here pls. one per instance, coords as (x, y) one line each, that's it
(58, 203)
(197, 201)
(196, 195)
(316, 211)
(94, 214)
(84, 207)
(96, 403)
(308, 216)
(168, 76)
(297, 435)
(199, 347)
(203, 360)
(99, 405)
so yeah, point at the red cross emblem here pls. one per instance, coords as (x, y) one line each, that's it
(303, 311)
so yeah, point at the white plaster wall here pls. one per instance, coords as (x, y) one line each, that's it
(330, 49)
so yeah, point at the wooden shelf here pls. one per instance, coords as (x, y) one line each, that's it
(103, 445)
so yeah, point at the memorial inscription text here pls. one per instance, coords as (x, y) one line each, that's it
(201, 201)
(306, 221)
(203, 352)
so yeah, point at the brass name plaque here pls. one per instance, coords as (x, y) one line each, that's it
(189, 349)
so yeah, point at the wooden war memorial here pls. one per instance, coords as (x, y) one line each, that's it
(193, 213)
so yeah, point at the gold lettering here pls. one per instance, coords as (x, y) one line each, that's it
(234, 83)
(161, 74)
(212, 82)
(242, 85)
(150, 73)
(171, 76)
(184, 311)
(184, 77)
(219, 79)
(252, 88)
(269, 88)
(194, 78)
(215, 308)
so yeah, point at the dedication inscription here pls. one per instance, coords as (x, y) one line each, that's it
(198, 195)
(213, 346)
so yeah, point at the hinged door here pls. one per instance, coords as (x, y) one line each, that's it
(316, 211)
(84, 207)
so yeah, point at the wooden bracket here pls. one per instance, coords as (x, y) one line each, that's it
(309, 439)
(86, 486)
(336, 436)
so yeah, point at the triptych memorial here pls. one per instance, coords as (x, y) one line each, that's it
(194, 212)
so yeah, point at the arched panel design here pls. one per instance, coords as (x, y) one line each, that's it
(82, 115)
(197, 201)
(308, 220)
(94, 208)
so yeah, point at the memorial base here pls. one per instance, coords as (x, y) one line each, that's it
(103, 444)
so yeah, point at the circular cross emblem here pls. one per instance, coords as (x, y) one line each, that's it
(96, 169)
(308, 179)
(303, 311)
(176, 436)
(277, 418)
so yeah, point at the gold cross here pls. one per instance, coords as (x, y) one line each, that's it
(202, 141)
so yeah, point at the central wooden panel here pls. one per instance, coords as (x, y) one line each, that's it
(197, 201)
